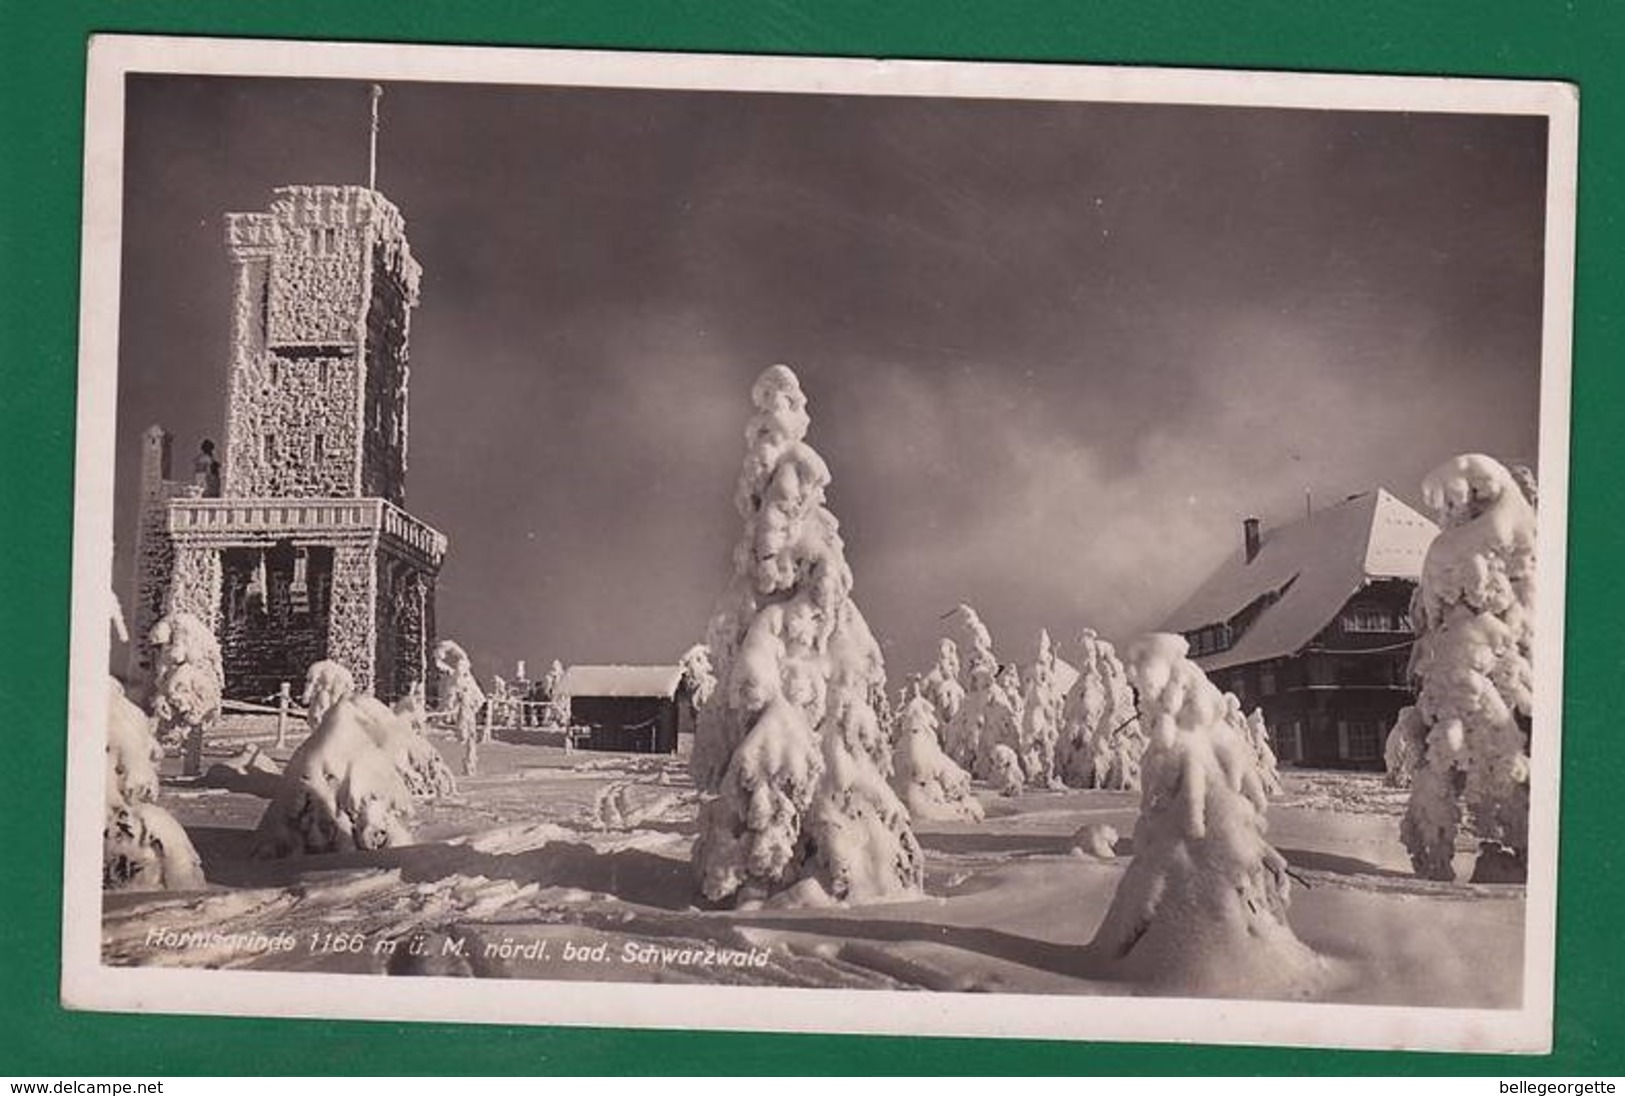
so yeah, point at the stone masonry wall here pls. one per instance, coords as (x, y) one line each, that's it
(195, 584)
(405, 636)
(383, 463)
(351, 622)
(325, 282)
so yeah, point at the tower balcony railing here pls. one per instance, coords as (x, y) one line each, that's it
(260, 520)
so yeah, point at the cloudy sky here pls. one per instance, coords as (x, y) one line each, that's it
(1054, 351)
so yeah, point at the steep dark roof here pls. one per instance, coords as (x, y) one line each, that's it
(1310, 568)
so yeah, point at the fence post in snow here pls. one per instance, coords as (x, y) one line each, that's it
(284, 697)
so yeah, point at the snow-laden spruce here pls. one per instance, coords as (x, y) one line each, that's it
(1465, 741)
(698, 674)
(461, 695)
(1202, 906)
(941, 684)
(1001, 723)
(188, 685)
(962, 732)
(143, 847)
(788, 752)
(346, 787)
(1101, 738)
(1252, 729)
(932, 787)
(1041, 715)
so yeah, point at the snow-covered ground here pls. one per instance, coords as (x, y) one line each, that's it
(576, 866)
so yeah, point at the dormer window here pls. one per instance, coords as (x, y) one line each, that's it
(1367, 620)
(1210, 640)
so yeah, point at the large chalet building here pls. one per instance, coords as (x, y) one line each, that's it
(1311, 622)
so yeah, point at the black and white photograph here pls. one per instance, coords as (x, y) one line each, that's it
(819, 545)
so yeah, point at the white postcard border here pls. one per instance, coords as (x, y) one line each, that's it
(87, 984)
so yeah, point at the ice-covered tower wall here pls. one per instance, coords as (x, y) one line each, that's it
(324, 285)
(789, 752)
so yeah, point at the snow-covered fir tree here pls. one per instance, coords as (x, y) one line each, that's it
(1466, 741)
(1041, 717)
(1203, 903)
(1001, 723)
(789, 754)
(1101, 737)
(461, 695)
(941, 684)
(1252, 729)
(698, 675)
(143, 847)
(962, 733)
(189, 683)
(932, 787)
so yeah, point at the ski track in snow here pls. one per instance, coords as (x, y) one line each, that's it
(594, 850)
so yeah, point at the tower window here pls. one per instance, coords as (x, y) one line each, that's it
(316, 447)
(267, 447)
(273, 372)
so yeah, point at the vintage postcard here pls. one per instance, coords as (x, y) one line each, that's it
(819, 545)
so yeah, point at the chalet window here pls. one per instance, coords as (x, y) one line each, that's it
(1358, 740)
(1238, 685)
(1266, 680)
(1367, 620)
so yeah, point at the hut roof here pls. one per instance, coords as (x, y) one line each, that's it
(622, 681)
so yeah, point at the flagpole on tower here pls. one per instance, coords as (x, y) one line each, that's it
(372, 145)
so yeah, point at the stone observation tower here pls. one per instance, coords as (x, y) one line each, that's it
(298, 547)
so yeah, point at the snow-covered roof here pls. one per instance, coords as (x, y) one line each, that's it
(621, 680)
(1312, 567)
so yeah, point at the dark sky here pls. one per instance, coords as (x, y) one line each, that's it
(1054, 351)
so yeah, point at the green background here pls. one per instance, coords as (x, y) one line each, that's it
(42, 57)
